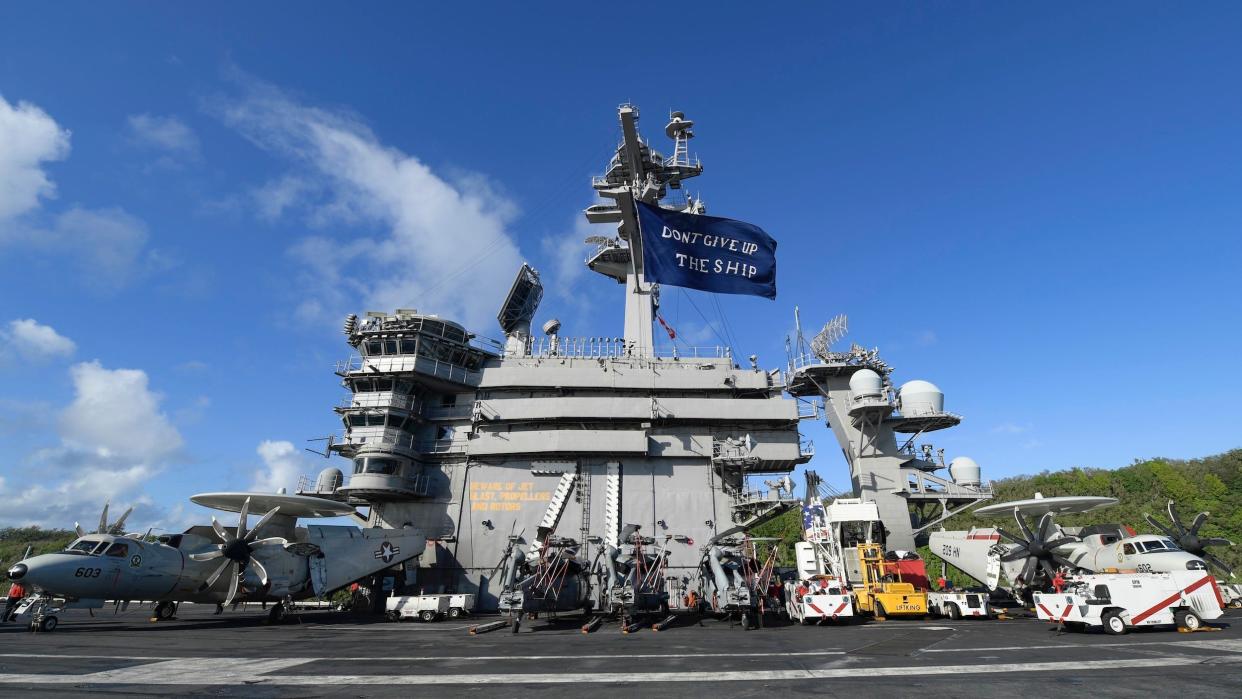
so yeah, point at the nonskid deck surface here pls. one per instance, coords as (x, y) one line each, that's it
(331, 654)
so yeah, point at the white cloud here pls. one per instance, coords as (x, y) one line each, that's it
(113, 440)
(28, 139)
(107, 246)
(275, 197)
(168, 134)
(444, 245)
(33, 341)
(114, 414)
(1011, 428)
(282, 465)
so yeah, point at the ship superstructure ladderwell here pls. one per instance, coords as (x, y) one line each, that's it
(480, 445)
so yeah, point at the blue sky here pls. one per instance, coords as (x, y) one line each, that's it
(1034, 207)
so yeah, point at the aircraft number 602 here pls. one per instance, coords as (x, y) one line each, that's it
(87, 572)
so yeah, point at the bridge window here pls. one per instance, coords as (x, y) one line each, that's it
(118, 550)
(408, 346)
(374, 348)
(390, 346)
(385, 467)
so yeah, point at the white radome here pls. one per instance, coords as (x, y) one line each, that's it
(920, 398)
(865, 383)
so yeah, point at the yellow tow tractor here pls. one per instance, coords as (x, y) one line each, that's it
(883, 594)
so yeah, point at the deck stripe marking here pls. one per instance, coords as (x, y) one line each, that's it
(175, 673)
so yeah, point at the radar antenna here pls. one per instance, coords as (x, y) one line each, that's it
(833, 330)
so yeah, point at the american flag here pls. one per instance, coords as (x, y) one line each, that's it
(809, 512)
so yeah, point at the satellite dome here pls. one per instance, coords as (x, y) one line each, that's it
(964, 471)
(920, 398)
(329, 480)
(865, 383)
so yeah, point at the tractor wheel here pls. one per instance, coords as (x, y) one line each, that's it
(517, 623)
(1188, 620)
(165, 611)
(745, 621)
(455, 612)
(48, 624)
(427, 615)
(1113, 623)
(952, 611)
(880, 611)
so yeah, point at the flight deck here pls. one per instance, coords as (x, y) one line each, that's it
(328, 653)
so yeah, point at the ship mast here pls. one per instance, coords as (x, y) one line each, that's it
(637, 173)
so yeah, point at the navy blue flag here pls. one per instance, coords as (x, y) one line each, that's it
(708, 253)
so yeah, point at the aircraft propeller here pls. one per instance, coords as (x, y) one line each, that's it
(116, 527)
(1188, 538)
(1036, 548)
(237, 548)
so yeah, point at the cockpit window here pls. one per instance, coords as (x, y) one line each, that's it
(1170, 544)
(1128, 549)
(86, 546)
(118, 549)
(1152, 546)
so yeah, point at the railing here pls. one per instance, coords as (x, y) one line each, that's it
(806, 447)
(383, 399)
(409, 363)
(616, 347)
(449, 412)
(404, 440)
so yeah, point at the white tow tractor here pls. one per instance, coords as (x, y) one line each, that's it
(956, 605)
(1119, 601)
(429, 607)
(819, 598)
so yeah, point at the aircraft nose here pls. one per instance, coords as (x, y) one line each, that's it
(18, 571)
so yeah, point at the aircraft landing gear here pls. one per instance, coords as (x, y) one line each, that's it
(165, 611)
(219, 609)
(277, 614)
(43, 614)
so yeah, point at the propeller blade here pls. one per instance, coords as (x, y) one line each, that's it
(1218, 563)
(221, 532)
(1026, 528)
(261, 571)
(208, 556)
(1045, 526)
(1057, 543)
(1177, 521)
(1215, 542)
(215, 575)
(1063, 561)
(262, 521)
(1016, 555)
(233, 581)
(1048, 569)
(78, 528)
(1199, 520)
(1028, 570)
(1011, 537)
(269, 541)
(118, 527)
(241, 518)
(103, 520)
(1159, 525)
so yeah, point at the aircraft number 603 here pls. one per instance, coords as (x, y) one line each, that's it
(88, 572)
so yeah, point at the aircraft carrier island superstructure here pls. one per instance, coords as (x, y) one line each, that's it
(488, 446)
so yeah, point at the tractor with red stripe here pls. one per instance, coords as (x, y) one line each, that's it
(1118, 602)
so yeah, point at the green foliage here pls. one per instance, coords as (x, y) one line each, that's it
(1212, 484)
(14, 540)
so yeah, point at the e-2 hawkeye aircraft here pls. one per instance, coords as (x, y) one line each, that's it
(214, 564)
(1030, 558)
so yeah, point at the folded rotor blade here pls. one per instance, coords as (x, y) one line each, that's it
(78, 528)
(261, 571)
(1159, 525)
(241, 518)
(269, 541)
(221, 532)
(1199, 520)
(215, 575)
(118, 527)
(103, 520)
(262, 521)
(236, 571)
(208, 556)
